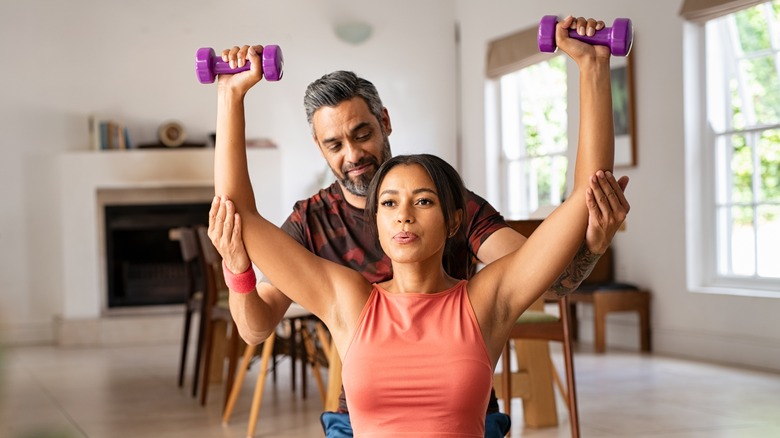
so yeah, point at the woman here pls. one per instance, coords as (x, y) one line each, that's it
(394, 336)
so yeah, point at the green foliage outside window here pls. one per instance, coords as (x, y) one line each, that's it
(763, 90)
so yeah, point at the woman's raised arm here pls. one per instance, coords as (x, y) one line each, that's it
(521, 277)
(305, 278)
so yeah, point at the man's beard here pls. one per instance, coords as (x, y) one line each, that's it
(359, 185)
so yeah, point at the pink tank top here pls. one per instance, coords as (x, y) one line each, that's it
(418, 366)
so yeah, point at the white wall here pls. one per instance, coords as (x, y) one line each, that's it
(729, 329)
(134, 61)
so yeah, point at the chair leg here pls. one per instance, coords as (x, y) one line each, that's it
(599, 327)
(322, 335)
(334, 379)
(293, 353)
(571, 391)
(200, 344)
(205, 376)
(257, 397)
(235, 342)
(571, 387)
(249, 352)
(315, 367)
(184, 346)
(506, 380)
(574, 327)
(644, 323)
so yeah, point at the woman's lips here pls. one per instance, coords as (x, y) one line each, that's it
(405, 237)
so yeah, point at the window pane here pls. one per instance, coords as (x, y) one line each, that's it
(752, 29)
(763, 91)
(769, 156)
(550, 175)
(775, 14)
(543, 91)
(742, 254)
(534, 139)
(515, 198)
(769, 241)
(511, 121)
(738, 184)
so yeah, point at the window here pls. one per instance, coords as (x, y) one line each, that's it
(734, 152)
(533, 138)
(525, 125)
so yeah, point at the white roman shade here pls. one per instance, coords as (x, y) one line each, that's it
(700, 11)
(514, 52)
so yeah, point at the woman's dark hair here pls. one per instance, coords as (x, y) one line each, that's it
(446, 180)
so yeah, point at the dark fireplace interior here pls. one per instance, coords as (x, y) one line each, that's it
(144, 266)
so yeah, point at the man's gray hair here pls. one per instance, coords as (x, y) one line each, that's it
(337, 87)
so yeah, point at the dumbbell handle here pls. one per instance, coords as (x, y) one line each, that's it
(222, 68)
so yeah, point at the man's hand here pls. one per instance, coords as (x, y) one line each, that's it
(607, 209)
(225, 234)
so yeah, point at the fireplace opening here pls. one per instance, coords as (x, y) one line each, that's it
(144, 265)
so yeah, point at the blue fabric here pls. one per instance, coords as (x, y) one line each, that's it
(497, 425)
(337, 425)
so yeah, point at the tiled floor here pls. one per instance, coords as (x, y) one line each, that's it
(48, 392)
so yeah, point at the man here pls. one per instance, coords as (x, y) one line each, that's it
(351, 127)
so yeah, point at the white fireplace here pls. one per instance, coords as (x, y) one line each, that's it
(92, 180)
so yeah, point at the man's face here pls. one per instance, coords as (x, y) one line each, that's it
(353, 142)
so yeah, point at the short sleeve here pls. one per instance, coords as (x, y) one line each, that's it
(294, 225)
(484, 220)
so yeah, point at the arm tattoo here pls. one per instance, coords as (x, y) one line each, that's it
(579, 269)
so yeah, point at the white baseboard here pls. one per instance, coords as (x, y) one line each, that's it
(120, 330)
(13, 335)
(747, 352)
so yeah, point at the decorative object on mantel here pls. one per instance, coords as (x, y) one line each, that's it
(171, 134)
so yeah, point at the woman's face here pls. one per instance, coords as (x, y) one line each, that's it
(409, 215)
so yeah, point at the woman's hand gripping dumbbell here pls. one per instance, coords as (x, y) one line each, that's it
(619, 38)
(236, 60)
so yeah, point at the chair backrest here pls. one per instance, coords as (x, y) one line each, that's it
(603, 272)
(188, 242)
(190, 253)
(212, 266)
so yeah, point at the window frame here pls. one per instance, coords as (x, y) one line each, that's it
(701, 181)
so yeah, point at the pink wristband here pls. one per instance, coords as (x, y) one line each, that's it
(242, 283)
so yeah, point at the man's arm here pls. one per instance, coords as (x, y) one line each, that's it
(602, 226)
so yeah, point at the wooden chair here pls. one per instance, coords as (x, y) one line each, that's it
(296, 316)
(606, 296)
(536, 324)
(190, 252)
(216, 315)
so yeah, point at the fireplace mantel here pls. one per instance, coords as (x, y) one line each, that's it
(177, 175)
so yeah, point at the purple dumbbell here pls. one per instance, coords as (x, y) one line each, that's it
(208, 65)
(619, 37)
